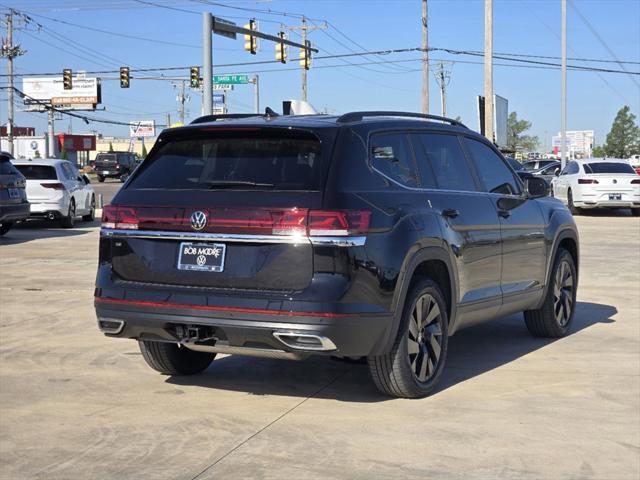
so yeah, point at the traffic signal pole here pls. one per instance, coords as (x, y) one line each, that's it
(207, 62)
(563, 106)
(488, 69)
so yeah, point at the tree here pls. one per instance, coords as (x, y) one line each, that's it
(110, 147)
(598, 152)
(63, 153)
(144, 151)
(624, 138)
(516, 140)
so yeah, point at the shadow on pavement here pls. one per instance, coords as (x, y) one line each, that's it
(38, 229)
(605, 212)
(472, 352)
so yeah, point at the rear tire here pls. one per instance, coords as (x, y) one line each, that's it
(5, 227)
(572, 208)
(173, 359)
(554, 318)
(100, 178)
(70, 220)
(413, 366)
(91, 216)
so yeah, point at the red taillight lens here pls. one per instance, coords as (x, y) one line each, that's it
(635, 181)
(292, 221)
(587, 181)
(55, 186)
(338, 222)
(119, 217)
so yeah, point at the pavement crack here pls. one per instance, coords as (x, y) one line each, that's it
(273, 422)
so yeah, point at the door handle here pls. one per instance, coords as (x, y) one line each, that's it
(504, 213)
(450, 213)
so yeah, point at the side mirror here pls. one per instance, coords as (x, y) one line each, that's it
(536, 187)
(556, 172)
(86, 180)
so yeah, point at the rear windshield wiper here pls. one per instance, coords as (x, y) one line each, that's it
(235, 183)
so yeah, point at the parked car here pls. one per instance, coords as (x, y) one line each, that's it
(371, 234)
(14, 206)
(598, 183)
(536, 164)
(57, 191)
(634, 161)
(519, 168)
(114, 165)
(548, 172)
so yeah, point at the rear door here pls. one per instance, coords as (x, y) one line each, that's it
(471, 225)
(522, 225)
(239, 197)
(12, 184)
(42, 182)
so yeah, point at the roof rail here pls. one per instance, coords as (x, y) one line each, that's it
(356, 116)
(226, 116)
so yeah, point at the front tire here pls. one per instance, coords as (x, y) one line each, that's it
(173, 359)
(413, 366)
(91, 216)
(100, 178)
(554, 318)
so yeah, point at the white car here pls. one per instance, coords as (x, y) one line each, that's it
(598, 183)
(57, 191)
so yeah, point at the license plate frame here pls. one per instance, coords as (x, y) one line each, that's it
(201, 257)
(106, 172)
(615, 196)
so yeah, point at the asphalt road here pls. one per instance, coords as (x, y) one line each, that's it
(108, 189)
(77, 405)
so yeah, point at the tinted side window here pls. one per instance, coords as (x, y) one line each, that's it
(391, 156)
(492, 170)
(571, 169)
(441, 158)
(68, 171)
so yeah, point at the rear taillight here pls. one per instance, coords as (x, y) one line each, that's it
(635, 181)
(587, 181)
(55, 186)
(290, 222)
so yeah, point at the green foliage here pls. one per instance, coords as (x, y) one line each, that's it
(144, 151)
(110, 147)
(36, 154)
(624, 138)
(516, 140)
(63, 153)
(598, 152)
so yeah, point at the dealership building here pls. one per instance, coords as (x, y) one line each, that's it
(579, 143)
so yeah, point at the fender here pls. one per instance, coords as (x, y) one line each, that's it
(567, 231)
(415, 257)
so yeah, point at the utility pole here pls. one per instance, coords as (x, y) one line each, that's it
(563, 106)
(168, 119)
(425, 58)
(443, 77)
(207, 62)
(256, 93)
(182, 97)
(304, 30)
(488, 69)
(51, 145)
(10, 51)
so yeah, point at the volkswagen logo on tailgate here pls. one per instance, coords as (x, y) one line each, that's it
(198, 220)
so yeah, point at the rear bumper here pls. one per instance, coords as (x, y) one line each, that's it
(353, 334)
(12, 213)
(607, 204)
(58, 208)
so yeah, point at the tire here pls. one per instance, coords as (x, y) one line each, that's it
(5, 227)
(91, 216)
(635, 212)
(572, 208)
(554, 318)
(124, 176)
(400, 373)
(172, 359)
(100, 178)
(70, 219)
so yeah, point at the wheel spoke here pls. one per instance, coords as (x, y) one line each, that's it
(422, 374)
(435, 312)
(434, 347)
(413, 347)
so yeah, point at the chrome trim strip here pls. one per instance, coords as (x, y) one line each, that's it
(232, 237)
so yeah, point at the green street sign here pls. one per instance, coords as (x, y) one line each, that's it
(231, 79)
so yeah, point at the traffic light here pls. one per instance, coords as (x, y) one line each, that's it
(281, 49)
(124, 77)
(67, 80)
(305, 56)
(195, 77)
(251, 42)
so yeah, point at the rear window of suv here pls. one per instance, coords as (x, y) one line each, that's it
(284, 160)
(38, 172)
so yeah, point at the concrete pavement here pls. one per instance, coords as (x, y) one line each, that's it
(77, 405)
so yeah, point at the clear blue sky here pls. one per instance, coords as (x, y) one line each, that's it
(521, 27)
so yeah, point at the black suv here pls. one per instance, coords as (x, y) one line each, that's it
(115, 165)
(13, 197)
(371, 234)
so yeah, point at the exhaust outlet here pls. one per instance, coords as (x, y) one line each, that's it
(51, 216)
(305, 341)
(111, 326)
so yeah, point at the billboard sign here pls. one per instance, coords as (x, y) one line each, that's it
(500, 116)
(84, 95)
(143, 128)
